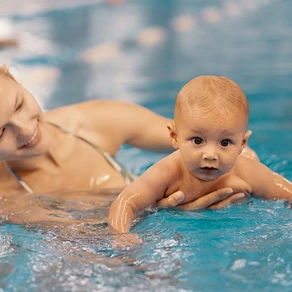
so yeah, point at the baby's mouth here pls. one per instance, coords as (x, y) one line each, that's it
(208, 170)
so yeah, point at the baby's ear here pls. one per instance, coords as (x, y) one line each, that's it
(173, 135)
(245, 139)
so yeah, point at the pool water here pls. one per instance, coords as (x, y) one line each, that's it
(143, 52)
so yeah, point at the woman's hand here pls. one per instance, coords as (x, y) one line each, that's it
(216, 200)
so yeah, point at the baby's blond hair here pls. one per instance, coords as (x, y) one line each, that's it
(216, 94)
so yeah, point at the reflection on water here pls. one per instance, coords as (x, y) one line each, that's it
(69, 257)
(144, 51)
(70, 207)
(247, 245)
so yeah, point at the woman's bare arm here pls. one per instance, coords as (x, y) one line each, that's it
(119, 123)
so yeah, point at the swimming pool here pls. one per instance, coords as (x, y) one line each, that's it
(143, 52)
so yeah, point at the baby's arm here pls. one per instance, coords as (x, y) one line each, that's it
(267, 184)
(137, 196)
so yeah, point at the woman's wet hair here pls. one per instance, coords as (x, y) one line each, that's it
(4, 71)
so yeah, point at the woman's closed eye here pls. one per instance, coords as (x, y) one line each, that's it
(19, 106)
(2, 132)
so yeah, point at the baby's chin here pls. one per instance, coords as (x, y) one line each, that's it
(205, 178)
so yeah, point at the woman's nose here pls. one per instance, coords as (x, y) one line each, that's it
(23, 127)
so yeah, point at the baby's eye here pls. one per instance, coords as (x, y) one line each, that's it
(197, 140)
(225, 142)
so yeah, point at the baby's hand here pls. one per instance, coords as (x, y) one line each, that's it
(125, 240)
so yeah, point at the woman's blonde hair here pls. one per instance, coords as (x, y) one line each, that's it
(4, 71)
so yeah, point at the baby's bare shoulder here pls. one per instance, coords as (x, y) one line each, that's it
(169, 169)
(244, 164)
(171, 164)
(251, 171)
(238, 183)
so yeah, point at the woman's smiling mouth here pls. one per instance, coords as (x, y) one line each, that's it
(34, 139)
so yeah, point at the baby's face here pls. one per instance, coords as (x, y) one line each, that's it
(22, 134)
(210, 143)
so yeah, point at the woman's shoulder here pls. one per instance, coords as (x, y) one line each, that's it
(63, 115)
(75, 110)
(86, 118)
(87, 108)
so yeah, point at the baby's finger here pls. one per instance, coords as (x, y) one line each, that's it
(171, 201)
(207, 200)
(125, 240)
(231, 200)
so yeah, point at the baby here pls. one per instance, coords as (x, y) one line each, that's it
(209, 132)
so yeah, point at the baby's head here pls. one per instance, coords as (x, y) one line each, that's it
(210, 122)
(212, 94)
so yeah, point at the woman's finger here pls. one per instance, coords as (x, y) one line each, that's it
(207, 200)
(231, 200)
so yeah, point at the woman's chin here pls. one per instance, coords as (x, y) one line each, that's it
(41, 148)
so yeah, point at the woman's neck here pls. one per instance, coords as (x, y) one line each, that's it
(40, 162)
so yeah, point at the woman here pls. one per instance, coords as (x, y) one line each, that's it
(57, 150)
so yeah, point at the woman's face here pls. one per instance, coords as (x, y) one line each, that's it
(22, 130)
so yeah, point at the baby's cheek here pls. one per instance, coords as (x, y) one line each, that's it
(229, 162)
(228, 167)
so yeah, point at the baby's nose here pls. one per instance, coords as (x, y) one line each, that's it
(210, 153)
